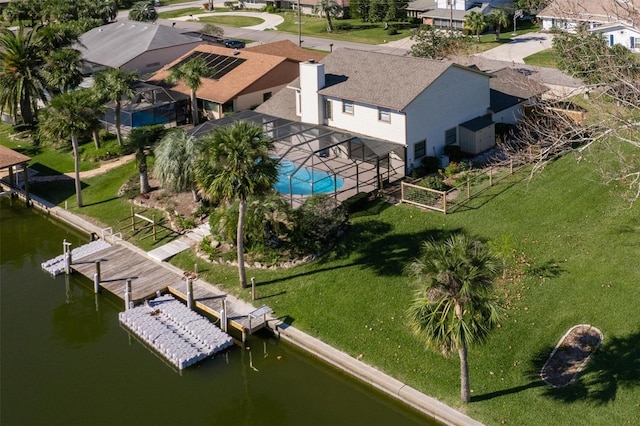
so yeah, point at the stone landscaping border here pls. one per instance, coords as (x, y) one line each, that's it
(570, 355)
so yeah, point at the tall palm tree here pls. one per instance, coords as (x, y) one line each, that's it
(455, 305)
(498, 18)
(190, 73)
(21, 83)
(234, 165)
(70, 115)
(115, 85)
(175, 162)
(140, 140)
(61, 70)
(475, 22)
(328, 8)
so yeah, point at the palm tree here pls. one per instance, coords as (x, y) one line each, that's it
(455, 305)
(21, 83)
(70, 115)
(190, 73)
(475, 22)
(328, 8)
(140, 139)
(115, 85)
(175, 162)
(235, 165)
(143, 11)
(61, 71)
(498, 18)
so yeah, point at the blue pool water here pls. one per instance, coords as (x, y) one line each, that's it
(303, 179)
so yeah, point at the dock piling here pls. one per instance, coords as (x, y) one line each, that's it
(189, 293)
(253, 288)
(96, 283)
(66, 250)
(127, 296)
(223, 315)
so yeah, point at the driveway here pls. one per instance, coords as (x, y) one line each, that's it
(270, 21)
(519, 48)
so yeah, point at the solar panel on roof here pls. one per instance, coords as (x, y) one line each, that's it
(218, 65)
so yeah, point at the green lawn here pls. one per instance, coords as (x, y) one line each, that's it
(577, 254)
(231, 21)
(546, 58)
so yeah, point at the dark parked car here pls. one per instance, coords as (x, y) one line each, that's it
(234, 44)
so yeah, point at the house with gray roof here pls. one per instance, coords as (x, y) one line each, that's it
(415, 103)
(511, 91)
(133, 46)
(569, 15)
(452, 13)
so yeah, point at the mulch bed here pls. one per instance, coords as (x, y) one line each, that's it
(570, 355)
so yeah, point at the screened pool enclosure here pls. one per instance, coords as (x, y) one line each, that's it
(150, 105)
(319, 159)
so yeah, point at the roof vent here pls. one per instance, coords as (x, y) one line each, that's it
(236, 52)
(312, 61)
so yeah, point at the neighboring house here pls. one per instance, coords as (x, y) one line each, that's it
(452, 13)
(417, 104)
(511, 92)
(568, 15)
(150, 105)
(143, 47)
(306, 6)
(622, 34)
(240, 79)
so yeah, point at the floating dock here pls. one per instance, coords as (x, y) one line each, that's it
(179, 334)
(56, 266)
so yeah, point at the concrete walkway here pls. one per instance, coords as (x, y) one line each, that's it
(183, 243)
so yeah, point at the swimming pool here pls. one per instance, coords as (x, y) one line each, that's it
(305, 181)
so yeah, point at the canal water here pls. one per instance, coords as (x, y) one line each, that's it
(65, 359)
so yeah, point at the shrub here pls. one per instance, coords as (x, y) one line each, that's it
(392, 31)
(430, 164)
(318, 222)
(270, 9)
(434, 182)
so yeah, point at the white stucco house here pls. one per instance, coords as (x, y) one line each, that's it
(569, 15)
(621, 34)
(416, 104)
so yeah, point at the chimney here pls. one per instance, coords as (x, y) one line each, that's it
(311, 80)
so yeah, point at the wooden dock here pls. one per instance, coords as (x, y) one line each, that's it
(118, 264)
(240, 315)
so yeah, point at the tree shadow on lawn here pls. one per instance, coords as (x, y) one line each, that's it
(615, 365)
(548, 269)
(376, 248)
(55, 192)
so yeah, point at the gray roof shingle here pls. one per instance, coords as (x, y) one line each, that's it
(116, 44)
(379, 79)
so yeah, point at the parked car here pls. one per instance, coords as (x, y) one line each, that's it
(234, 44)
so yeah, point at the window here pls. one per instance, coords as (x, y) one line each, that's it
(450, 136)
(328, 111)
(420, 149)
(298, 103)
(266, 96)
(384, 114)
(632, 42)
(347, 107)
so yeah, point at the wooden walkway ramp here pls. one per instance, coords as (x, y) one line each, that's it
(118, 263)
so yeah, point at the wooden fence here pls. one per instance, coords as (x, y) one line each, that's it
(476, 182)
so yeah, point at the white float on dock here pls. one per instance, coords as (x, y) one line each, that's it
(179, 334)
(56, 266)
